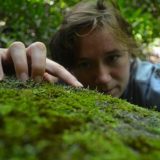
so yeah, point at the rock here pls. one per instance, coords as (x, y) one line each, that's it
(49, 122)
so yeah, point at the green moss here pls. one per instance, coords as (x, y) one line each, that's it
(44, 121)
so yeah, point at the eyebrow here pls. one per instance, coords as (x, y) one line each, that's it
(83, 59)
(112, 52)
(108, 53)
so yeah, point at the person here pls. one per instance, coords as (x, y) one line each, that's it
(93, 48)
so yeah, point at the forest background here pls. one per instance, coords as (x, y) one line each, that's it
(37, 20)
(45, 121)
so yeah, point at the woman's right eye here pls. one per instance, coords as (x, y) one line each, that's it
(83, 65)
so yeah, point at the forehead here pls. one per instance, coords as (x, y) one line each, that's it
(97, 42)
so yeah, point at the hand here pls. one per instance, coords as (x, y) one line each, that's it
(32, 63)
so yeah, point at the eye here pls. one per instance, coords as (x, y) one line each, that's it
(84, 65)
(114, 58)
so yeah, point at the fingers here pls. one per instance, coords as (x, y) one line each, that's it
(49, 78)
(37, 54)
(60, 72)
(1, 69)
(34, 57)
(17, 52)
(21, 59)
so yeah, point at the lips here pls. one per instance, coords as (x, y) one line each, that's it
(109, 91)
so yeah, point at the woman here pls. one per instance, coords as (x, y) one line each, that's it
(95, 44)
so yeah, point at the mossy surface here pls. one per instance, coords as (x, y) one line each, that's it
(51, 122)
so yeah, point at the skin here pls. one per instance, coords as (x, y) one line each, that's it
(102, 63)
(32, 63)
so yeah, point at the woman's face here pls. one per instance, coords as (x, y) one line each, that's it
(102, 63)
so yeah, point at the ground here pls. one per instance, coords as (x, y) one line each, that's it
(53, 122)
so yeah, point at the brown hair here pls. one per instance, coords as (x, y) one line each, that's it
(90, 14)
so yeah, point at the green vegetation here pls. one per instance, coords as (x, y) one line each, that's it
(30, 20)
(144, 17)
(37, 20)
(51, 122)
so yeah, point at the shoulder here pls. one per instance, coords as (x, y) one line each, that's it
(144, 85)
(145, 73)
(142, 70)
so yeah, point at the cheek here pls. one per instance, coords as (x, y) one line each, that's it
(122, 72)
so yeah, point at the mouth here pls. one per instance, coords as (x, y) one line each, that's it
(111, 91)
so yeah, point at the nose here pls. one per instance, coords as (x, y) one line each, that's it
(103, 75)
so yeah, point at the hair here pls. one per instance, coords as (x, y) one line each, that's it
(90, 15)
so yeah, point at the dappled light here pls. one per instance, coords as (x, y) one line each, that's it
(32, 20)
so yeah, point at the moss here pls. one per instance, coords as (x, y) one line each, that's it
(44, 121)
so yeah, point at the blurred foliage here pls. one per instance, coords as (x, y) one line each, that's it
(37, 20)
(144, 15)
(30, 20)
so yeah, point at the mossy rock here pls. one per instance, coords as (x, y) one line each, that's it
(52, 122)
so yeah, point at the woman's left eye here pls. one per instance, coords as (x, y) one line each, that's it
(113, 58)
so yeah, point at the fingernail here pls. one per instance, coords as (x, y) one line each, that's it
(78, 84)
(23, 77)
(38, 79)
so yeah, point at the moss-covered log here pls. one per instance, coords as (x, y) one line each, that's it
(50, 122)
